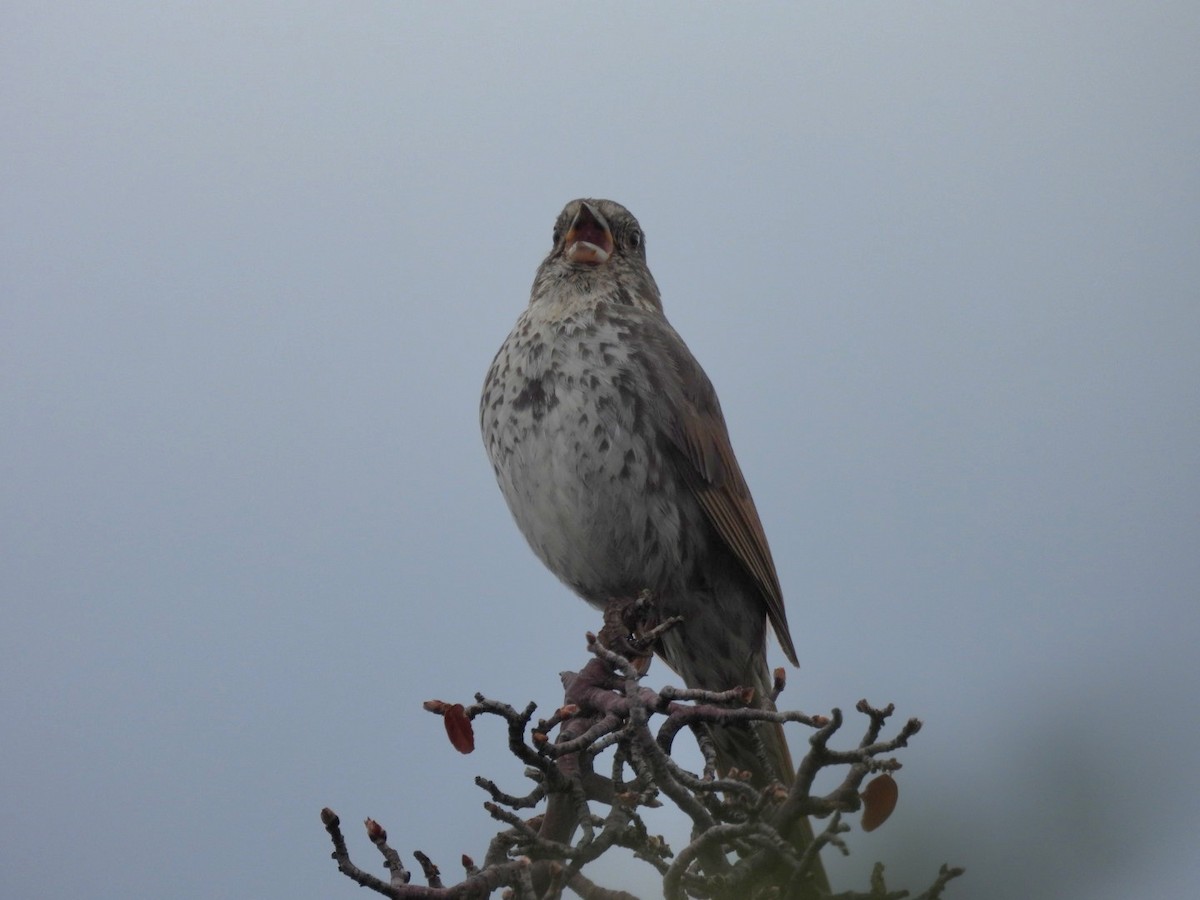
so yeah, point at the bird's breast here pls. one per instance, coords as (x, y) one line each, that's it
(577, 451)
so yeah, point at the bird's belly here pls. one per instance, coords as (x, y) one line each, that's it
(585, 491)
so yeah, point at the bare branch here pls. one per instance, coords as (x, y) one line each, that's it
(744, 841)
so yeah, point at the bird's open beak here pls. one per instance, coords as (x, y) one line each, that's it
(589, 240)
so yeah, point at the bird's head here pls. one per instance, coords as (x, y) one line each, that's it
(592, 232)
(599, 247)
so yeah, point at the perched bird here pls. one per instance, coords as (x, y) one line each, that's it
(610, 447)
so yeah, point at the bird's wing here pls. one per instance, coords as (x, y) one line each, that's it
(697, 428)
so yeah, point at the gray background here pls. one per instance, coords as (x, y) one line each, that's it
(940, 261)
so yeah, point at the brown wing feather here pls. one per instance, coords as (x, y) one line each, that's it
(686, 408)
(723, 494)
(698, 429)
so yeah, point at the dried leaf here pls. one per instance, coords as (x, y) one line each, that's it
(458, 728)
(879, 799)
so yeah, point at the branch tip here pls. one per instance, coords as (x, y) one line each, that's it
(376, 832)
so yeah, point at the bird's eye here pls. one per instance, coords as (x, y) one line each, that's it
(557, 236)
(635, 239)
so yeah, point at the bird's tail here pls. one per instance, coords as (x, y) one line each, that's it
(740, 747)
(758, 748)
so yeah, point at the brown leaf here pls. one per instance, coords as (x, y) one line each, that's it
(458, 728)
(879, 799)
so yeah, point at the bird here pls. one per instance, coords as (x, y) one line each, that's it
(609, 445)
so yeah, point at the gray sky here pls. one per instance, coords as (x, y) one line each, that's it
(940, 261)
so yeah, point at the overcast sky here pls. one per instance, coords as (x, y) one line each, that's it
(940, 260)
